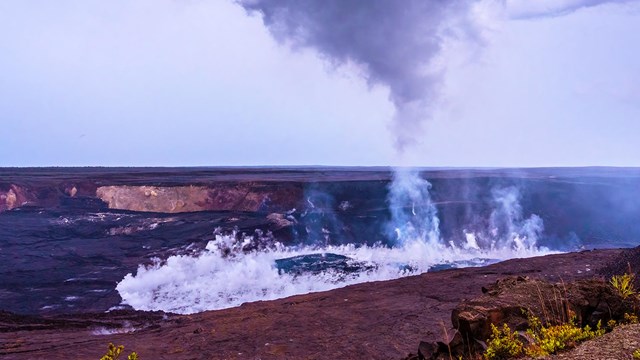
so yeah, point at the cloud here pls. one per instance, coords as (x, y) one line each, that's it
(527, 9)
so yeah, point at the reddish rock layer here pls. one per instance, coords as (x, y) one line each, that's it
(225, 196)
(15, 196)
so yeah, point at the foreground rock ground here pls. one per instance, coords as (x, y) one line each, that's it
(516, 300)
(380, 320)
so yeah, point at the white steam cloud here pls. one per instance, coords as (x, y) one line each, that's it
(508, 227)
(414, 218)
(413, 214)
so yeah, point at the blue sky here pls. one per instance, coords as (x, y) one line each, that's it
(202, 83)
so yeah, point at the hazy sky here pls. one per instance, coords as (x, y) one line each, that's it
(202, 82)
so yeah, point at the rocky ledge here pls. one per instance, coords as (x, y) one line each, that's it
(515, 300)
(380, 320)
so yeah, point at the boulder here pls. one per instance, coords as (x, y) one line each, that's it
(453, 345)
(512, 300)
(427, 351)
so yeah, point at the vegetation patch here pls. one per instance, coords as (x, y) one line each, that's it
(624, 284)
(503, 344)
(114, 353)
(542, 340)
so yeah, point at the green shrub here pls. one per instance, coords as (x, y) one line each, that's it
(551, 339)
(503, 344)
(630, 318)
(636, 354)
(114, 353)
(624, 285)
(546, 340)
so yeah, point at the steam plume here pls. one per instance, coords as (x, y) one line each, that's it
(509, 228)
(395, 43)
(413, 214)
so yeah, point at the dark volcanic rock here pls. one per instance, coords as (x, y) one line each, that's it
(627, 262)
(427, 350)
(112, 321)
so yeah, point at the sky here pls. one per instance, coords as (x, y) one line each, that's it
(497, 83)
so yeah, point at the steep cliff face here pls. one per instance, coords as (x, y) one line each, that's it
(220, 197)
(216, 196)
(154, 198)
(162, 193)
(51, 195)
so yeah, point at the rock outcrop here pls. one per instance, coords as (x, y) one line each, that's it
(8, 200)
(513, 300)
(14, 196)
(250, 197)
